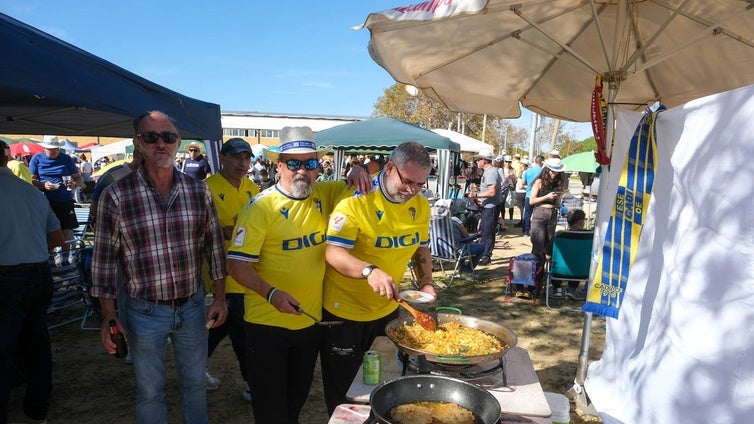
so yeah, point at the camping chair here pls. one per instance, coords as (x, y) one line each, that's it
(71, 285)
(85, 228)
(442, 244)
(571, 256)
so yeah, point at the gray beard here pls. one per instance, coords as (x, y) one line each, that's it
(301, 188)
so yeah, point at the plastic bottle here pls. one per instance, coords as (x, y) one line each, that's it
(121, 348)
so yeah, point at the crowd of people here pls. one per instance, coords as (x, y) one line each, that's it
(242, 227)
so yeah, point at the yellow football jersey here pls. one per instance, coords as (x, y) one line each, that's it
(379, 231)
(229, 201)
(284, 240)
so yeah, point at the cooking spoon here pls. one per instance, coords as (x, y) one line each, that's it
(426, 321)
(327, 323)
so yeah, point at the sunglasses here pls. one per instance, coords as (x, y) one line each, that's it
(151, 137)
(295, 164)
(193, 150)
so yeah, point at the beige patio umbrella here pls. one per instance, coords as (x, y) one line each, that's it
(487, 56)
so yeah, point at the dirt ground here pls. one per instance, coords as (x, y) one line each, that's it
(93, 387)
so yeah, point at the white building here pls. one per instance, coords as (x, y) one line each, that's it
(264, 128)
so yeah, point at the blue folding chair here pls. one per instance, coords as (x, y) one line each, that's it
(71, 284)
(442, 244)
(571, 256)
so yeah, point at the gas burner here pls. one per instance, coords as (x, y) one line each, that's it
(484, 374)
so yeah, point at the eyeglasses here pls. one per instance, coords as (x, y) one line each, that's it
(193, 150)
(408, 183)
(295, 164)
(151, 137)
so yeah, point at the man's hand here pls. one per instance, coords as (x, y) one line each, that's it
(429, 288)
(217, 311)
(104, 334)
(360, 179)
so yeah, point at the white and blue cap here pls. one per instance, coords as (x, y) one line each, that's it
(294, 141)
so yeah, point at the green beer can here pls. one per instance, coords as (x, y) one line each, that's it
(372, 368)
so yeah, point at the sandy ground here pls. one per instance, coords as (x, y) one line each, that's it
(93, 387)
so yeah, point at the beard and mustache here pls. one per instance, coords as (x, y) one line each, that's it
(301, 186)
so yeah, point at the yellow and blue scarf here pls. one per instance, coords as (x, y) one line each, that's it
(628, 216)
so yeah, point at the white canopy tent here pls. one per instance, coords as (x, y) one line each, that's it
(116, 148)
(468, 144)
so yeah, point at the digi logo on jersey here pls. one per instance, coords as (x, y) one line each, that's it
(391, 242)
(299, 243)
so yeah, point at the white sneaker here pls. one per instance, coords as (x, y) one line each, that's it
(212, 382)
(246, 394)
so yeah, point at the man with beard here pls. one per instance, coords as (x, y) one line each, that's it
(156, 225)
(278, 251)
(370, 239)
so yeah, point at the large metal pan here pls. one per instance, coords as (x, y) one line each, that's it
(507, 338)
(431, 388)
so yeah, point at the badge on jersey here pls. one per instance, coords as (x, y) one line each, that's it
(239, 236)
(337, 221)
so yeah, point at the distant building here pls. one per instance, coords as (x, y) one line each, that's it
(264, 128)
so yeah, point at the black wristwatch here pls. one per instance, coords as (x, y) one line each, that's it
(367, 270)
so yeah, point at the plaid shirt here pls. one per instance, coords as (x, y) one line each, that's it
(159, 245)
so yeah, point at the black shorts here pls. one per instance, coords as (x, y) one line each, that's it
(66, 213)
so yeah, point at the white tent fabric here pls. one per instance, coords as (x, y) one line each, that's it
(468, 144)
(118, 147)
(682, 350)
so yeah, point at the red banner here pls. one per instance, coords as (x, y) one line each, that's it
(599, 116)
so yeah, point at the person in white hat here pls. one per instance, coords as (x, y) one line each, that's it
(196, 165)
(57, 176)
(492, 199)
(546, 194)
(278, 253)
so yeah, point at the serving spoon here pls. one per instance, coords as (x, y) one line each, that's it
(425, 320)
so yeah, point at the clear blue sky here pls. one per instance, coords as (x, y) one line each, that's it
(292, 56)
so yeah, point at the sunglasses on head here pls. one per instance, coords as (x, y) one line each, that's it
(295, 164)
(151, 137)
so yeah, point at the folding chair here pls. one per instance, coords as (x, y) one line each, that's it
(71, 285)
(442, 244)
(85, 228)
(571, 256)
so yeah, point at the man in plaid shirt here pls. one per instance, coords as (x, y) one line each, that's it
(158, 224)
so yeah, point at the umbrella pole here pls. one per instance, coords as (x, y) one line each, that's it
(577, 392)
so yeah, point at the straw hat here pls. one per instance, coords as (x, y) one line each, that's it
(485, 154)
(555, 164)
(51, 142)
(295, 140)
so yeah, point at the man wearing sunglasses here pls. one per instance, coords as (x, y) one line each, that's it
(158, 225)
(196, 165)
(278, 252)
(370, 239)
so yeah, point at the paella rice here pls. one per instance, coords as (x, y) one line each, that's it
(450, 338)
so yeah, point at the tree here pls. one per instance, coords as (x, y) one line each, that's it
(428, 113)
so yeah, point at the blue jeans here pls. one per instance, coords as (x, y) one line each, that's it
(488, 229)
(527, 217)
(149, 326)
(24, 298)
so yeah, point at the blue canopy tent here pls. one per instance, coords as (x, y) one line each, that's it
(48, 86)
(385, 134)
